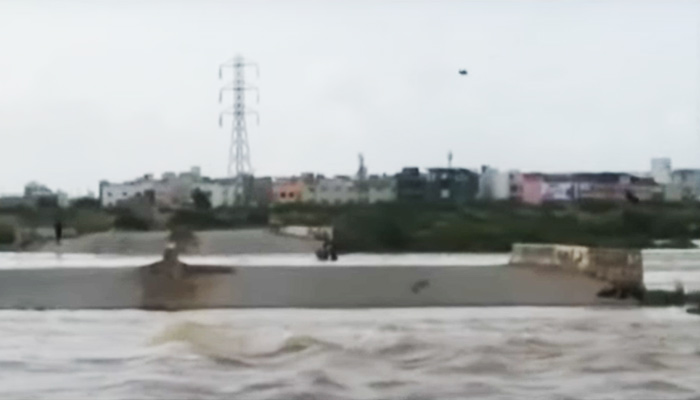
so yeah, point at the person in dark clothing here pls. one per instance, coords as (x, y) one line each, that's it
(58, 230)
(331, 252)
(327, 250)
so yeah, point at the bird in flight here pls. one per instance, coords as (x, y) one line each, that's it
(462, 71)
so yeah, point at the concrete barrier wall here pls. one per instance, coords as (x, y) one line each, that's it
(620, 267)
(171, 285)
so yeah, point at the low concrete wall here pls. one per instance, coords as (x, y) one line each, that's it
(172, 285)
(620, 267)
(623, 268)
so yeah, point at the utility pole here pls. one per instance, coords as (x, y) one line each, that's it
(239, 165)
(361, 183)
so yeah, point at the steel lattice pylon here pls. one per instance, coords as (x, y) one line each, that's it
(239, 164)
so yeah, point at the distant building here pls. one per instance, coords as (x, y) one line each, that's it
(608, 186)
(345, 190)
(531, 188)
(373, 188)
(34, 190)
(494, 184)
(687, 182)
(515, 185)
(674, 192)
(288, 190)
(455, 185)
(381, 189)
(262, 193)
(559, 187)
(615, 186)
(37, 194)
(15, 201)
(336, 190)
(411, 185)
(661, 170)
(171, 191)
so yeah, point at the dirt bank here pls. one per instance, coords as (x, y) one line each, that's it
(244, 241)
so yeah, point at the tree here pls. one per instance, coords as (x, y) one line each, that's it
(47, 202)
(86, 203)
(201, 200)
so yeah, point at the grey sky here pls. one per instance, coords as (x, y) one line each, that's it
(94, 90)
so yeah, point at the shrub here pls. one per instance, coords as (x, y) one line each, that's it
(86, 203)
(130, 222)
(90, 221)
(7, 234)
(183, 238)
(201, 200)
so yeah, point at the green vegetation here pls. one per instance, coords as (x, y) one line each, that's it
(127, 221)
(201, 200)
(184, 238)
(7, 234)
(89, 221)
(222, 218)
(475, 227)
(484, 227)
(664, 298)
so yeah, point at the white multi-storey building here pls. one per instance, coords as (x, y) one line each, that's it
(345, 190)
(661, 170)
(337, 190)
(170, 191)
(381, 189)
(494, 184)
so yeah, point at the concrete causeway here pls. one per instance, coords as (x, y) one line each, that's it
(172, 285)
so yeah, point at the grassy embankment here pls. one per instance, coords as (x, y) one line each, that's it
(476, 227)
(28, 227)
(494, 227)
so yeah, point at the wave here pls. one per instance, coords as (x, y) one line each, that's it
(225, 343)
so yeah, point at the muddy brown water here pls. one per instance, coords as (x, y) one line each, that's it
(426, 353)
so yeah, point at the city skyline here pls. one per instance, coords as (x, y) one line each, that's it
(104, 90)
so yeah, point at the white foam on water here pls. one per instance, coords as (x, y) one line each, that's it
(434, 353)
(430, 353)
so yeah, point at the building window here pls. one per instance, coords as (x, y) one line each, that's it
(109, 194)
(283, 194)
(124, 193)
(291, 195)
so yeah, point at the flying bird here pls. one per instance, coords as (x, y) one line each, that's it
(462, 71)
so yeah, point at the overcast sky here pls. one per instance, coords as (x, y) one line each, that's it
(94, 90)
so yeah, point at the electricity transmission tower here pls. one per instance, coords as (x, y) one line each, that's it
(239, 165)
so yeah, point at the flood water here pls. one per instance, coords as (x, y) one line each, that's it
(429, 353)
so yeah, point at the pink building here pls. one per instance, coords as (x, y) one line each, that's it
(288, 191)
(533, 186)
